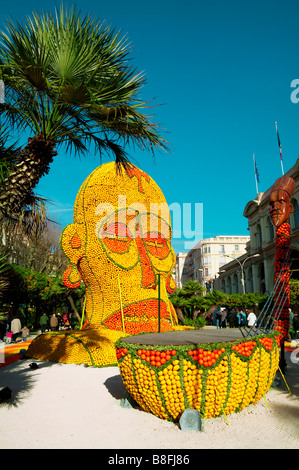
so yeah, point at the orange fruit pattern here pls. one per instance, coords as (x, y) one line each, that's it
(213, 378)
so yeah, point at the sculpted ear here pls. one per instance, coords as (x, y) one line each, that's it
(72, 242)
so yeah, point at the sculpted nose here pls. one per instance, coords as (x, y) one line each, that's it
(148, 275)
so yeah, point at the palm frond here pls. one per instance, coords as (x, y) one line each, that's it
(30, 220)
(67, 75)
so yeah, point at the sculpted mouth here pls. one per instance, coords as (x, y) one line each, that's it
(137, 315)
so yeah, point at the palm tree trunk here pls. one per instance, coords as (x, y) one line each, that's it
(71, 301)
(180, 314)
(195, 314)
(33, 163)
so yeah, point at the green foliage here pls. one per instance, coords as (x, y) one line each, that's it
(251, 299)
(199, 322)
(4, 267)
(190, 289)
(68, 78)
(294, 292)
(188, 301)
(33, 293)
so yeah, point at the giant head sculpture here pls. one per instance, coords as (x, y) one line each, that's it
(120, 244)
(280, 205)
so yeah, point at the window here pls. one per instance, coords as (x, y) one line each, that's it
(221, 249)
(236, 247)
(207, 260)
(223, 260)
(271, 230)
(295, 215)
(207, 272)
(259, 238)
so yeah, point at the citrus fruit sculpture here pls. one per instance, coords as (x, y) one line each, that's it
(280, 209)
(213, 378)
(120, 246)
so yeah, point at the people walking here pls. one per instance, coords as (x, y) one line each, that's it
(291, 325)
(223, 314)
(218, 318)
(66, 321)
(44, 322)
(54, 322)
(25, 333)
(251, 317)
(15, 328)
(243, 318)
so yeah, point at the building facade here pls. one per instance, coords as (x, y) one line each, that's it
(257, 264)
(202, 263)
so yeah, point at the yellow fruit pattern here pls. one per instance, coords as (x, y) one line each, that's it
(94, 347)
(213, 378)
(120, 246)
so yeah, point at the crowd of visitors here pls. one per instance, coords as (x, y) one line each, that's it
(56, 322)
(13, 331)
(235, 318)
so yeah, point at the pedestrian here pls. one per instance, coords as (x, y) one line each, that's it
(243, 318)
(72, 321)
(251, 317)
(214, 317)
(223, 314)
(218, 318)
(15, 328)
(60, 322)
(296, 324)
(291, 333)
(66, 321)
(44, 322)
(8, 337)
(54, 322)
(238, 318)
(25, 333)
(232, 318)
(8, 323)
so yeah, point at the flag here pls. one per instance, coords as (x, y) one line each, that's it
(278, 140)
(279, 145)
(257, 175)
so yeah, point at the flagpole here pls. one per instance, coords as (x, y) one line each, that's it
(279, 145)
(257, 190)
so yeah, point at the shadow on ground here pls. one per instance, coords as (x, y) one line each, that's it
(115, 387)
(20, 378)
(289, 380)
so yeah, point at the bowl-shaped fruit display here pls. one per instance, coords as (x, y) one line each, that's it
(213, 378)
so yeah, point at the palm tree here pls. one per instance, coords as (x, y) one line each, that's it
(32, 215)
(191, 288)
(4, 268)
(68, 82)
(179, 303)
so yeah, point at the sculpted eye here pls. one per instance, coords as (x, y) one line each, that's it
(117, 237)
(156, 245)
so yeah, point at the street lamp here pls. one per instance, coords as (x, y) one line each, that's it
(242, 267)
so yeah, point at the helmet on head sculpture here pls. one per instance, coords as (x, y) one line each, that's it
(280, 205)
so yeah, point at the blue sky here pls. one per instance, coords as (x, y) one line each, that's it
(222, 72)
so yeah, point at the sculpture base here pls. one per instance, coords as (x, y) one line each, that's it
(91, 346)
(170, 372)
